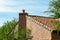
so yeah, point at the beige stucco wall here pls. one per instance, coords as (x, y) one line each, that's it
(38, 32)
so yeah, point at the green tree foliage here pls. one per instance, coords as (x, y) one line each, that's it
(57, 25)
(54, 7)
(23, 33)
(6, 28)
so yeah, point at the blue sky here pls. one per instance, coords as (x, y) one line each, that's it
(10, 9)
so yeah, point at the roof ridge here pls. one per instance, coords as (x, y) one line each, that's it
(39, 16)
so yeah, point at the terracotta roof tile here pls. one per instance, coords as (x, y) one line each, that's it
(46, 21)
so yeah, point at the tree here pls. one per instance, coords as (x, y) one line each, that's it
(7, 26)
(54, 7)
(57, 25)
(23, 33)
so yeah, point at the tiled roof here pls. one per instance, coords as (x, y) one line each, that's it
(46, 21)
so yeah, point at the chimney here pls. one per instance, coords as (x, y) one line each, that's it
(22, 18)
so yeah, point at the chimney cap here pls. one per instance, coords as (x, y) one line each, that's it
(23, 13)
(23, 10)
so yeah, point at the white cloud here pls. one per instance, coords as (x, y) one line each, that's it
(7, 9)
(17, 5)
(2, 2)
(5, 6)
(5, 2)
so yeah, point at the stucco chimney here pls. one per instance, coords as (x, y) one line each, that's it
(22, 18)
